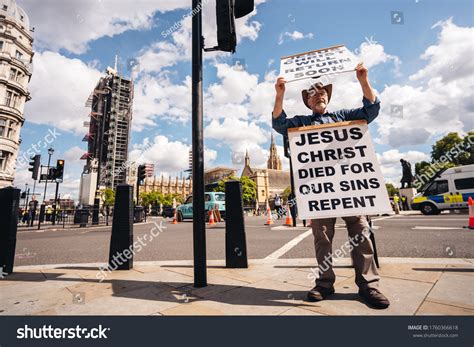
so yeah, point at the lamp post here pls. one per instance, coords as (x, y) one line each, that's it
(50, 153)
(27, 193)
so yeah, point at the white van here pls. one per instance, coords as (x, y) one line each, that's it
(448, 190)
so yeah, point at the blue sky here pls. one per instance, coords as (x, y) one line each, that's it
(409, 64)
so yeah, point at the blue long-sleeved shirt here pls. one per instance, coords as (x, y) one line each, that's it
(369, 111)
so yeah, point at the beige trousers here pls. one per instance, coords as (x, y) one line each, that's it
(359, 245)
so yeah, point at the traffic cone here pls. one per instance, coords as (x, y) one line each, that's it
(211, 217)
(471, 213)
(289, 220)
(218, 214)
(175, 221)
(269, 216)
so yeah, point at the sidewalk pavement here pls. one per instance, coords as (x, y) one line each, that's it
(415, 286)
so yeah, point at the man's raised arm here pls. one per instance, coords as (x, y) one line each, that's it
(363, 77)
(280, 94)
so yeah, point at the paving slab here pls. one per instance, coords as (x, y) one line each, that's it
(267, 287)
(405, 297)
(455, 290)
(429, 308)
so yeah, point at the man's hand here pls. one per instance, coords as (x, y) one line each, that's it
(280, 93)
(280, 86)
(362, 73)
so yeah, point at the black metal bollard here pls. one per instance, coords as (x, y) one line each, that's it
(121, 240)
(41, 215)
(235, 243)
(9, 205)
(95, 212)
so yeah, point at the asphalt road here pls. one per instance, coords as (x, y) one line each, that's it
(415, 236)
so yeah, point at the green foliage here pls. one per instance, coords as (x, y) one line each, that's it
(285, 193)
(450, 151)
(391, 190)
(107, 196)
(455, 148)
(249, 188)
(155, 198)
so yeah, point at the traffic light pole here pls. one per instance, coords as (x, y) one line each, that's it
(47, 176)
(199, 223)
(138, 188)
(55, 203)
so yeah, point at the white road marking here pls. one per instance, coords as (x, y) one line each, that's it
(428, 219)
(279, 252)
(437, 228)
(382, 218)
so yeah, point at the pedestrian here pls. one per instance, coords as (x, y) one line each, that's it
(396, 203)
(367, 278)
(278, 206)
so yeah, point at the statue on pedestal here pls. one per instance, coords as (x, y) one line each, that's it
(407, 177)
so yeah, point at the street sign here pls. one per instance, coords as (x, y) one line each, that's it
(321, 62)
(336, 172)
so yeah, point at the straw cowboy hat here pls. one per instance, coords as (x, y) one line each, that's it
(317, 85)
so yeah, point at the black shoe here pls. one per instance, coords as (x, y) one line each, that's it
(319, 293)
(374, 298)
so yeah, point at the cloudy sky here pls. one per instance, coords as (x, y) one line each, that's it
(420, 63)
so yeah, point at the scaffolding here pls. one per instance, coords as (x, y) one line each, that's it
(108, 133)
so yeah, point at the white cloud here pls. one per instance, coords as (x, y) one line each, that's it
(72, 25)
(294, 36)
(158, 153)
(60, 87)
(236, 133)
(73, 155)
(451, 59)
(162, 54)
(158, 97)
(390, 163)
(441, 102)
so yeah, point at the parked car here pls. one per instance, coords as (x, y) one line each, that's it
(449, 189)
(211, 200)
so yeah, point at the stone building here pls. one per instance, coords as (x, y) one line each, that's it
(270, 181)
(16, 54)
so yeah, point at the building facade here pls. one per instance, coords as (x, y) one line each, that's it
(270, 181)
(108, 135)
(183, 186)
(16, 54)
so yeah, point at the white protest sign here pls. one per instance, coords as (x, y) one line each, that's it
(317, 63)
(336, 172)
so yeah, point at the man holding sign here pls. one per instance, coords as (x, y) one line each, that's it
(316, 98)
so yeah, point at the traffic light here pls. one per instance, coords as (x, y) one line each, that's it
(226, 12)
(141, 174)
(34, 166)
(59, 170)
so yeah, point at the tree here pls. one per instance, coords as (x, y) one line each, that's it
(391, 190)
(456, 149)
(249, 188)
(107, 196)
(286, 193)
(450, 151)
(150, 198)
